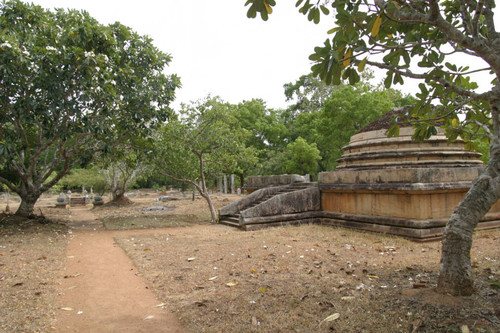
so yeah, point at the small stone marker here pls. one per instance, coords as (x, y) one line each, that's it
(98, 200)
(61, 201)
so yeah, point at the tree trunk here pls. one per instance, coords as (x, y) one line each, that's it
(28, 201)
(456, 270)
(213, 213)
(242, 181)
(117, 195)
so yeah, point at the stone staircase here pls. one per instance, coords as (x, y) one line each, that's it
(271, 206)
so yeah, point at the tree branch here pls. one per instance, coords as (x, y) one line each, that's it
(475, 20)
(447, 84)
(11, 186)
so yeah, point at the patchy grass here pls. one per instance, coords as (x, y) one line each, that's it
(146, 222)
(291, 279)
(181, 213)
(32, 257)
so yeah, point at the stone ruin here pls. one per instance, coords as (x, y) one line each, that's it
(398, 185)
(391, 185)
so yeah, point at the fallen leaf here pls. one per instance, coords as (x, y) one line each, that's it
(231, 284)
(17, 284)
(464, 329)
(332, 317)
(191, 259)
(347, 298)
(160, 305)
(213, 278)
(149, 317)
(67, 309)
(372, 276)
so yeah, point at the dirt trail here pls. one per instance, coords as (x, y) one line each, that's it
(101, 291)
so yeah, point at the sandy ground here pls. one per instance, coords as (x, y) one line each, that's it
(102, 289)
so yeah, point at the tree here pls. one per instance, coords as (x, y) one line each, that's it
(71, 87)
(428, 41)
(204, 140)
(302, 157)
(265, 133)
(119, 176)
(341, 114)
(123, 164)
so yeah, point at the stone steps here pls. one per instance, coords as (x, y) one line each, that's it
(235, 218)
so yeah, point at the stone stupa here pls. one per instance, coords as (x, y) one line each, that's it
(400, 186)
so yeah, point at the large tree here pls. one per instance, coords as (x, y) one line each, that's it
(435, 42)
(70, 87)
(204, 141)
(331, 120)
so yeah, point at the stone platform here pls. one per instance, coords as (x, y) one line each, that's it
(400, 186)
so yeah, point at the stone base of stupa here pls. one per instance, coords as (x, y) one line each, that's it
(400, 186)
(412, 202)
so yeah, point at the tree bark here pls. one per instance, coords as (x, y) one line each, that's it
(456, 270)
(213, 213)
(27, 205)
(242, 181)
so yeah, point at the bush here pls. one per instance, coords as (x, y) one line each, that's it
(83, 177)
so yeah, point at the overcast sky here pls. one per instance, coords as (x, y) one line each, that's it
(216, 49)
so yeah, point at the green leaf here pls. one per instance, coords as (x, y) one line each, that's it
(362, 63)
(393, 131)
(388, 80)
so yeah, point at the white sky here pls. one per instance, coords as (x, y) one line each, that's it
(216, 49)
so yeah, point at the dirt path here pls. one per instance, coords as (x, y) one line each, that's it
(101, 291)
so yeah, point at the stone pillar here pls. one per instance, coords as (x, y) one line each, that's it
(221, 188)
(232, 184)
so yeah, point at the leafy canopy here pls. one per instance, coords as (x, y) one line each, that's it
(425, 40)
(70, 87)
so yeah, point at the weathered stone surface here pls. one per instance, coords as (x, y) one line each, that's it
(388, 185)
(98, 201)
(407, 175)
(62, 201)
(247, 201)
(157, 208)
(287, 203)
(164, 198)
(78, 201)
(257, 182)
(375, 150)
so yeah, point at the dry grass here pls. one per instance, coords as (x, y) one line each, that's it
(219, 279)
(182, 212)
(32, 257)
(290, 279)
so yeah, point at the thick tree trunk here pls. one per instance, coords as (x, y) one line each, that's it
(28, 201)
(456, 271)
